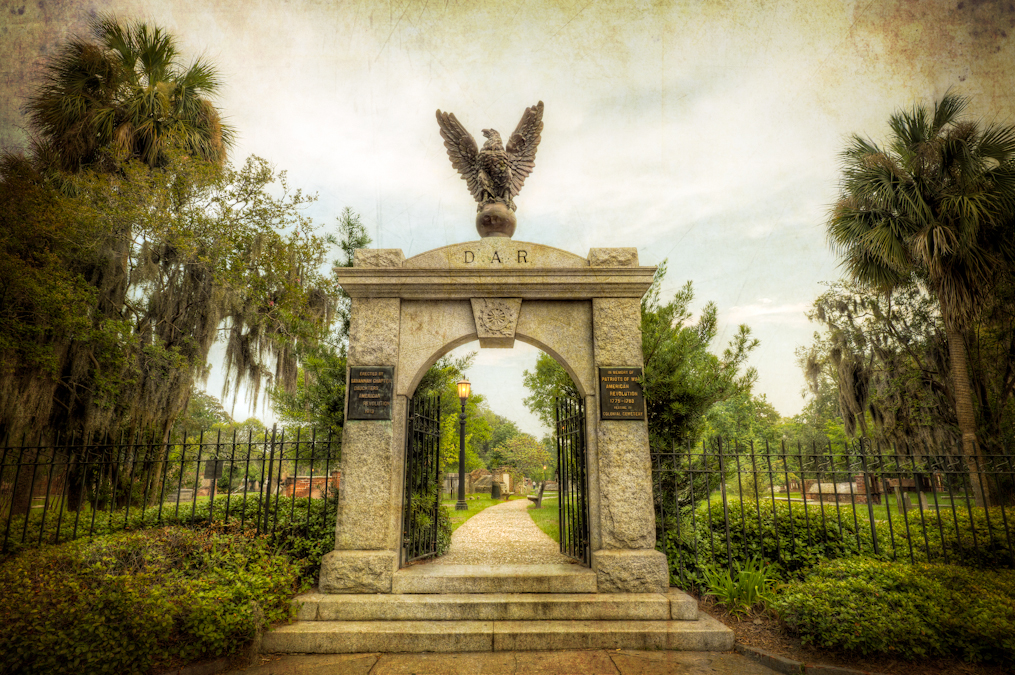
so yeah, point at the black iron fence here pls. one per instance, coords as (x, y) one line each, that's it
(724, 503)
(250, 479)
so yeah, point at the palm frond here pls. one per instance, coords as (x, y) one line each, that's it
(947, 111)
(997, 142)
(936, 202)
(127, 81)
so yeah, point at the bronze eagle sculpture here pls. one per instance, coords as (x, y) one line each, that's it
(495, 174)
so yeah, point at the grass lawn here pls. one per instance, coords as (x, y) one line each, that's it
(944, 503)
(546, 517)
(477, 502)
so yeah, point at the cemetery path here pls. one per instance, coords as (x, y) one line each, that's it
(502, 535)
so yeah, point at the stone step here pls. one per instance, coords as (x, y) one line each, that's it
(343, 637)
(674, 605)
(442, 579)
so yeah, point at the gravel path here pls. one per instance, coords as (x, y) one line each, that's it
(502, 535)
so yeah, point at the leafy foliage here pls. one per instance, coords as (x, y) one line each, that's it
(820, 420)
(442, 377)
(141, 601)
(795, 539)
(741, 589)
(546, 383)
(304, 529)
(318, 399)
(160, 247)
(682, 378)
(936, 202)
(124, 95)
(204, 412)
(888, 355)
(742, 418)
(168, 257)
(913, 611)
(423, 513)
(935, 207)
(524, 453)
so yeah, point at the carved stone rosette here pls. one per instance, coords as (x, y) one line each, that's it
(496, 320)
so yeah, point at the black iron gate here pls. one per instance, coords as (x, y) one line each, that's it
(422, 478)
(572, 479)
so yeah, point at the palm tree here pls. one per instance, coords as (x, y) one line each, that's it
(125, 92)
(933, 207)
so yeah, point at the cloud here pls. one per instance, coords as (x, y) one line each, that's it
(767, 311)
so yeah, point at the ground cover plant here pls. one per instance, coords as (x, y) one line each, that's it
(741, 589)
(138, 602)
(915, 611)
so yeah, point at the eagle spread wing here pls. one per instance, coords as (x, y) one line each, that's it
(463, 151)
(521, 147)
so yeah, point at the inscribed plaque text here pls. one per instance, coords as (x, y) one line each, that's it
(620, 394)
(370, 390)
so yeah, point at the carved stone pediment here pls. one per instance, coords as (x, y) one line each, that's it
(496, 320)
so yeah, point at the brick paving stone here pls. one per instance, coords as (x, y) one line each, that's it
(502, 535)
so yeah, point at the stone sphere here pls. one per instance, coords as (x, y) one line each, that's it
(496, 220)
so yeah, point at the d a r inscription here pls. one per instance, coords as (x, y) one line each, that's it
(370, 389)
(620, 394)
(519, 256)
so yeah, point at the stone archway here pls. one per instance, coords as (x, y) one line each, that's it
(406, 313)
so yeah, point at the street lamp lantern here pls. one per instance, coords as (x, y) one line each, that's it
(463, 396)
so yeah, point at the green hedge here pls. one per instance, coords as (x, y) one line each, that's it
(899, 609)
(139, 601)
(797, 541)
(305, 528)
(980, 540)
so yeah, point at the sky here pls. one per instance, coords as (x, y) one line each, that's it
(705, 133)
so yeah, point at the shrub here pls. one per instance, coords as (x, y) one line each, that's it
(977, 540)
(795, 540)
(304, 528)
(134, 602)
(908, 610)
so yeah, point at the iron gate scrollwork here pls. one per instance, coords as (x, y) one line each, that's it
(422, 478)
(572, 479)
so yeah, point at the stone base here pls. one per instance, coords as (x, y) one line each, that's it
(357, 571)
(630, 571)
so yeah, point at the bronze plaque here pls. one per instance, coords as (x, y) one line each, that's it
(370, 389)
(620, 394)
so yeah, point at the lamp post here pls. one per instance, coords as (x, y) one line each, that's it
(463, 396)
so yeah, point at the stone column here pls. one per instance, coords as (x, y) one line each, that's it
(627, 561)
(369, 513)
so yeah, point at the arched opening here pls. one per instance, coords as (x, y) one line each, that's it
(512, 453)
(466, 340)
